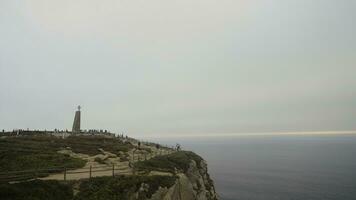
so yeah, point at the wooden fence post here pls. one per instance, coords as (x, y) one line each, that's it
(65, 173)
(90, 172)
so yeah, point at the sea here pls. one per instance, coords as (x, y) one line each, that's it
(278, 167)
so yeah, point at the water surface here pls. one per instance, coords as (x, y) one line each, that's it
(292, 167)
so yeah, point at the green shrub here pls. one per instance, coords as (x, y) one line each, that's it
(99, 160)
(149, 150)
(178, 160)
(124, 157)
(36, 190)
(98, 188)
(121, 187)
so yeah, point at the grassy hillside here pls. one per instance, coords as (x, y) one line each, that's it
(122, 187)
(101, 188)
(36, 190)
(36, 152)
(178, 160)
(41, 152)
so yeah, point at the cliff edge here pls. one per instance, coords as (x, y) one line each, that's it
(195, 184)
(98, 168)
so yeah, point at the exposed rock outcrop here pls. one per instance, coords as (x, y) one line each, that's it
(194, 184)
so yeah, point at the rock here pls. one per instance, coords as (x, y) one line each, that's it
(195, 184)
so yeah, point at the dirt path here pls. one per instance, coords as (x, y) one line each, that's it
(105, 168)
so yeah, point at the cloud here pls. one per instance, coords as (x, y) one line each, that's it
(163, 66)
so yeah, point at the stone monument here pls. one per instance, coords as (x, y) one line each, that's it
(76, 123)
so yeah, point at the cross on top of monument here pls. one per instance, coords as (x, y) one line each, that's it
(79, 108)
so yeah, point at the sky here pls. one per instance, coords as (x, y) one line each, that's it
(169, 67)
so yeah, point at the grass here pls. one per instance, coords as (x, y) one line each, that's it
(121, 187)
(80, 144)
(178, 160)
(99, 188)
(36, 190)
(40, 152)
(124, 157)
(90, 144)
(149, 150)
(99, 160)
(17, 160)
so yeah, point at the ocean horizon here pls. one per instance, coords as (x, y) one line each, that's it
(277, 166)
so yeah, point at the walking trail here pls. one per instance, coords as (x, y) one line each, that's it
(107, 161)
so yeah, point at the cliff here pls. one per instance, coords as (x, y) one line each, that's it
(177, 176)
(142, 171)
(195, 184)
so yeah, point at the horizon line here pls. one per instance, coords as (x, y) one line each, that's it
(279, 133)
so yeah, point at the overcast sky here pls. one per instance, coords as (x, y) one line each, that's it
(179, 66)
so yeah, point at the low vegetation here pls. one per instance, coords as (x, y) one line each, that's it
(36, 190)
(170, 163)
(99, 160)
(31, 154)
(16, 155)
(149, 150)
(124, 157)
(122, 187)
(79, 144)
(100, 188)
(41, 152)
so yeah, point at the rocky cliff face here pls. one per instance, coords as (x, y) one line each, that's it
(194, 184)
